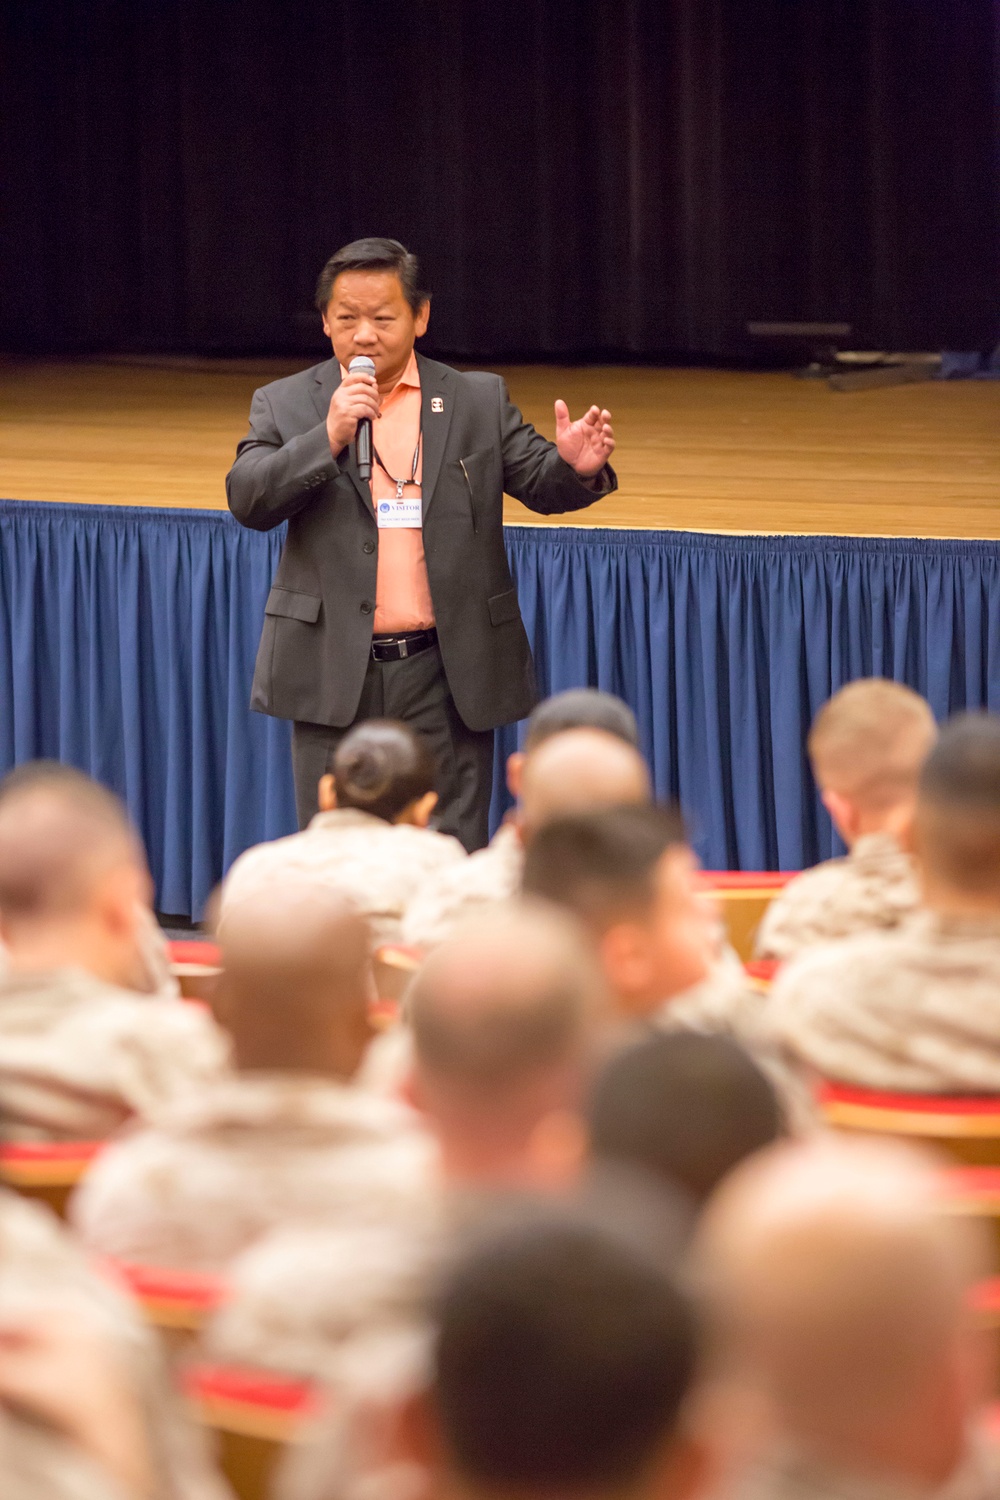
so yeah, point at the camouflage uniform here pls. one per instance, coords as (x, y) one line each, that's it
(78, 1056)
(489, 876)
(789, 1475)
(874, 887)
(915, 1010)
(725, 1005)
(246, 1155)
(301, 1298)
(41, 1269)
(378, 865)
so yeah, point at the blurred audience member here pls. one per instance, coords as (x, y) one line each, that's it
(81, 1051)
(370, 838)
(917, 1009)
(561, 1365)
(628, 874)
(494, 874)
(288, 1140)
(866, 745)
(558, 1362)
(843, 1345)
(87, 1411)
(685, 1108)
(504, 1017)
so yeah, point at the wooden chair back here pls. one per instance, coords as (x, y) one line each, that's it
(744, 896)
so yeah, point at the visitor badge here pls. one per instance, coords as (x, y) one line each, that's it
(392, 513)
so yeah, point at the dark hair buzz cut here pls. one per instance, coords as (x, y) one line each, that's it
(601, 865)
(373, 255)
(562, 1361)
(581, 708)
(380, 767)
(684, 1106)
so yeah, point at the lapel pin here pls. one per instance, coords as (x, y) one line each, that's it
(437, 404)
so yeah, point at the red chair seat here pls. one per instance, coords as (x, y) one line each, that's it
(745, 880)
(46, 1163)
(936, 1109)
(256, 1403)
(198, 953)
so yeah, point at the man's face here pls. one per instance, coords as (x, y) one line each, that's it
(669, 948)
(368, 314)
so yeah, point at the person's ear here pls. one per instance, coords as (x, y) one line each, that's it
(121, 896)
(327, 793)
(557, 1150)
(844, 815)
(422, 319)
(515, 767)
(418, 813)
(687, 1467)
(416, 1437)
(625, 960)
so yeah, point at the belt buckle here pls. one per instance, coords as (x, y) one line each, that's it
(403, 648)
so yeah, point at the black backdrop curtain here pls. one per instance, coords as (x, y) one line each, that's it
(627, 178)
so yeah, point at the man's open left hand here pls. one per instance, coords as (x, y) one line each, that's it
(586, 444)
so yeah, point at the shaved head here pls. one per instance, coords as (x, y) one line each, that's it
(837, 1286)
(61, 834)
(958, 808)
(296, 981)
(869, 741)
(577, 771)
(503, 1018)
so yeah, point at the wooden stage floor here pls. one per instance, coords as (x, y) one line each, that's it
(703, 450)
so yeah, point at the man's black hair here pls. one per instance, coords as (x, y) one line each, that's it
(380, 767)
(373, 255)
(685, 1107)
(562, 1360)
(601, 865)
(581, 708)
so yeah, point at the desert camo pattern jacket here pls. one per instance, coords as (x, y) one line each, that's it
(41, 1270)
(914, 1010)
(248, 1154)
(78, 1057)
(379, 865)
(874, 888)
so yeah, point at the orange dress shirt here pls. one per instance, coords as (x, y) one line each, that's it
(402, 589)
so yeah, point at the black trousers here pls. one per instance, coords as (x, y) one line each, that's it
(416, 691)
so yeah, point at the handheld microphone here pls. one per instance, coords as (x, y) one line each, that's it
(363, 435)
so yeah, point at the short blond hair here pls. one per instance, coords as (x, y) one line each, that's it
(869, 741)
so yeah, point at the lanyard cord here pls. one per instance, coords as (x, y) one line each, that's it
(401, 483)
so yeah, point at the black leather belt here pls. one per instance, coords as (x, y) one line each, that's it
(398, 647)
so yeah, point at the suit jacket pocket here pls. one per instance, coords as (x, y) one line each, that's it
(293, 606)
(504, 607)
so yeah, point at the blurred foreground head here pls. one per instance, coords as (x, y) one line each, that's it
(837, 1292)
(577, 708)
(561, 1366)
(383, 768)
(685, 1108)
(296, 983)
(577, 770)
(503, 1018)
(73, 876)
(957, 832)
(867, 745)
(628, 874)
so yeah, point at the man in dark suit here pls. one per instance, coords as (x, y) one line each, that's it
(394, 599)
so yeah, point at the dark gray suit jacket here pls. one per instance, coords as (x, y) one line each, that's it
(315, 647)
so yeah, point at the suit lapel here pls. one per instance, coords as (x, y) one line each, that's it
(327, 381)
(436, 385)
